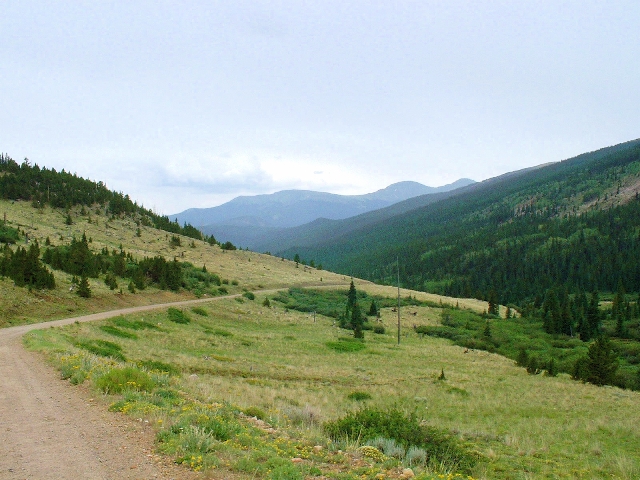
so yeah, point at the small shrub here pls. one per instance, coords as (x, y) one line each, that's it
(359, 396)
(223, 290)
(200, 311)
(379, 329)
(249, 295)
(306, 416)
(234, 282)
(178, 316)
(346, 345)
(111, 330)
(416, 456)
(371, 452)
(117, 380)
(266, 302)
(254, 412)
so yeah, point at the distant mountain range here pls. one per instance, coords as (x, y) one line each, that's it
(246, 220)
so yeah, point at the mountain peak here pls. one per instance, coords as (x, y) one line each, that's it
(290, 208)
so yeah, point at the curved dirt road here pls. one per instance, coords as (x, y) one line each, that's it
(50, 430)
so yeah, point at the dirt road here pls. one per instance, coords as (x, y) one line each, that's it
(49, 429)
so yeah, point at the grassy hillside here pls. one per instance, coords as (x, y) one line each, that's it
(245, 391)
(20, 305)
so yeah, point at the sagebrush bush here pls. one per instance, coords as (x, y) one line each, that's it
(445, 452)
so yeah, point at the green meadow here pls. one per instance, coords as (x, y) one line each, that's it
(238, 389)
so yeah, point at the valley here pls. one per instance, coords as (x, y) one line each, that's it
(248, 367)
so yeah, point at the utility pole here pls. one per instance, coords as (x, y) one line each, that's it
(398, 268)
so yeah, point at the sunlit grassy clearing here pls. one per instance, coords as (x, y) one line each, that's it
(525, 426)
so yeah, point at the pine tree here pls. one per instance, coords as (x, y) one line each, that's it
(357, 322)
(494, 306)
(373, 309)
(602, 362)
(83, 288)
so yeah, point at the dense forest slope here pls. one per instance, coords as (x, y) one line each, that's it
(574, 223)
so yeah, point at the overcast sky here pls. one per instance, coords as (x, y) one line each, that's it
(189, 104)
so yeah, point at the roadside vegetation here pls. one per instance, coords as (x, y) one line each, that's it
(246, 390)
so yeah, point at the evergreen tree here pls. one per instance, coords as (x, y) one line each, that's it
(357, 321)
(592, 318)
(494, 305)
(373, 309)
(83, 288)
(602, 362)
(487, 330)
(352, 299)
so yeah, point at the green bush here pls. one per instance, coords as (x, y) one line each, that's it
(379, 329)
(157, 366)
(117, 380)
(359, 396)
(254, 412)
(200, 311)
(348, 345)
(445, 452)
(249, 295)
(178, 316)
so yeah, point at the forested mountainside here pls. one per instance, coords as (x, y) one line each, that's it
(324, 231)
(62, 189)
(574, 223)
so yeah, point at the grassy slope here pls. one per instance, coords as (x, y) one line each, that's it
(250, 356)
(524, 426)
(252, 271)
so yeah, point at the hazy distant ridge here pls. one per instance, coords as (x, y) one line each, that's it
(290, 208)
